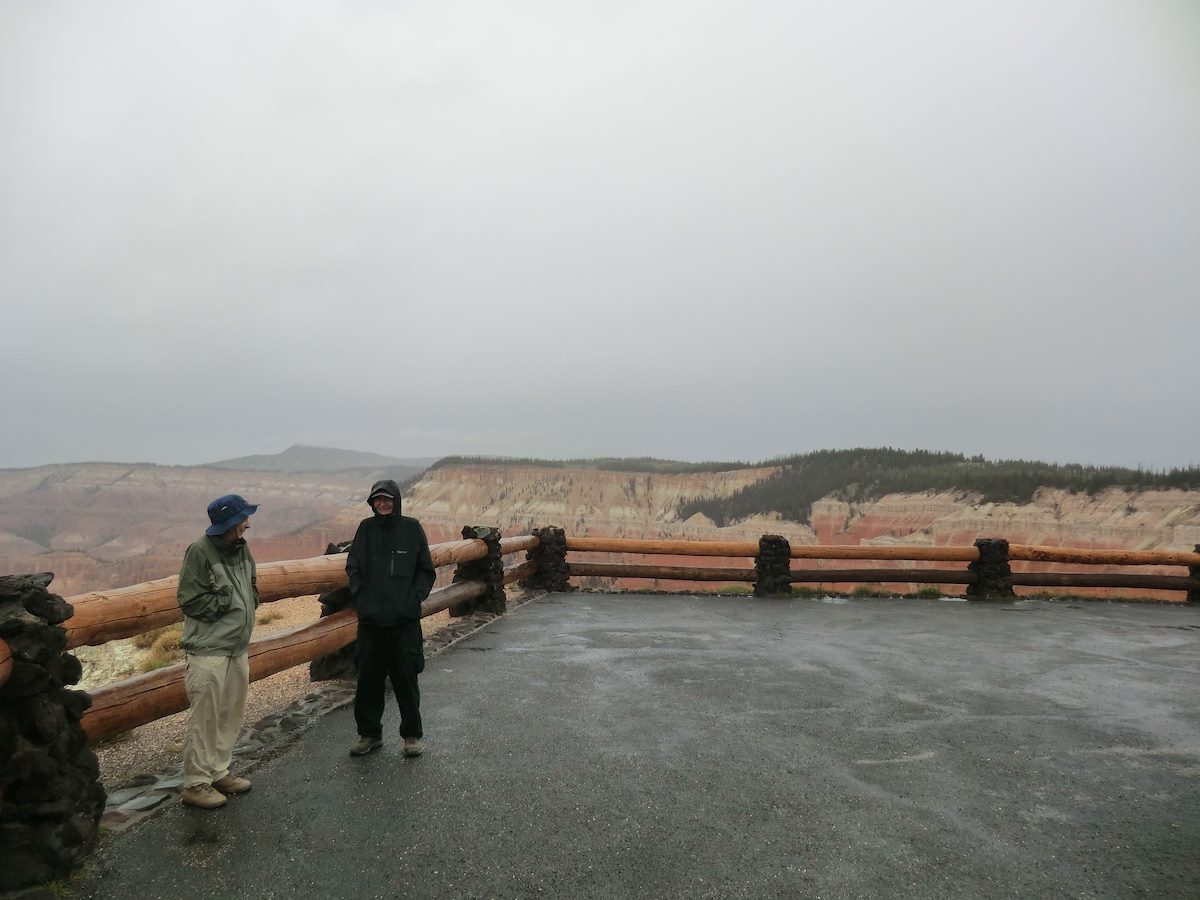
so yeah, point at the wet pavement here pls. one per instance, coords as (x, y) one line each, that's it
(596, 745)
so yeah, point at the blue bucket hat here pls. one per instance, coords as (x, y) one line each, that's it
(227, 511)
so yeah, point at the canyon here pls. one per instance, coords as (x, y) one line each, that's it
(105, 525)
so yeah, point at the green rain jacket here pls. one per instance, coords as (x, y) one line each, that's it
(218, 593)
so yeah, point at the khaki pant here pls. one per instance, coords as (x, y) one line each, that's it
(216, 688)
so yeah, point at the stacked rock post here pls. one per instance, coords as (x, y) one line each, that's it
(550, 556)
(489, 570)
(993, 576)
(1193, 594)
(51, 799)
(341, 664)
(772, 577)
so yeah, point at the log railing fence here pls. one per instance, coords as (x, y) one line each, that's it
(134, 701)
(987, 565)
(38, 626)
(102, 616)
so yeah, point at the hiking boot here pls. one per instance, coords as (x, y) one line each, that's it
(203, 796)
(232, 784)
(365, 744)
(412, 747)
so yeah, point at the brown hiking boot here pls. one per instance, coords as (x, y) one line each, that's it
(412, 747)
(365, 744)
(203, 796)
(232, 784)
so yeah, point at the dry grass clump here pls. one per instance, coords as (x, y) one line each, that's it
(146, 639)
(161, 646)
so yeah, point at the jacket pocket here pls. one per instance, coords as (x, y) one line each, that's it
(401, 564)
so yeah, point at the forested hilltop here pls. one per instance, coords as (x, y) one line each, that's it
(601, 464)
(867, 473)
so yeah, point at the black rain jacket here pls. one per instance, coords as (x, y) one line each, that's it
(390, 568)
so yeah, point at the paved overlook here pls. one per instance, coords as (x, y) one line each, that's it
(594, 745)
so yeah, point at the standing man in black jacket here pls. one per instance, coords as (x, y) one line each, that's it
(391, 572)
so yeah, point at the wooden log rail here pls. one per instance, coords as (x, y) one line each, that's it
(674, 573)
(134, 701)
(6, 663)
(1023, 552)
(102, 616)
(750, 549)
(860, 551)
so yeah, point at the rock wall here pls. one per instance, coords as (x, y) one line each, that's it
(50, 798)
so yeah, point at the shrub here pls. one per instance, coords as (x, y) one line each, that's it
(866, 590)
(146, 639)
(164, 650)
(803, 590)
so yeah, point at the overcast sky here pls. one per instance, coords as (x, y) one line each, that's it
(696, 230)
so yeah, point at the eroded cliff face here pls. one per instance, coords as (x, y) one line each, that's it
(99, 526)
(586, 502)
(613, 504)
(583, 501)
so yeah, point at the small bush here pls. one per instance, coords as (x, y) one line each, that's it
(866, 590)
(156, 660)
(146, 639)
(928, 592)
(268, 616)
(803, 590)
(164, 650)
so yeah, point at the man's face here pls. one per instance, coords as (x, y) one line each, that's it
(234, 534)
(383, 506)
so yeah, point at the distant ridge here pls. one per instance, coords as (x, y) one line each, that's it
(299, 458)
(868, 473)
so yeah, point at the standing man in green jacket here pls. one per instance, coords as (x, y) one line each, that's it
(391, 572)
(218, 592)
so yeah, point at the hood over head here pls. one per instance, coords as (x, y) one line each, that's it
(385, 488)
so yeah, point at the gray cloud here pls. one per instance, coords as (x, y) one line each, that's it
(697, 230)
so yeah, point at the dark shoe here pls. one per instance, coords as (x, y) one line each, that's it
(365, 745)
(203, 796)
(412, 747)
(232, 784)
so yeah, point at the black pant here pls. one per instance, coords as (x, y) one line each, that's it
(383, 653)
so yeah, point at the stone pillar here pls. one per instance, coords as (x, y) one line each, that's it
(341, 664)
(550, 555)
(993, 577)
(771, 567)
(1193, 595)
(490, 569)
(50, 797)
